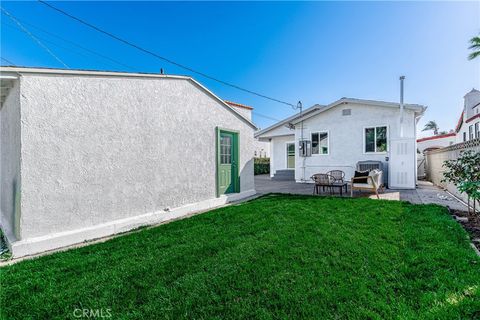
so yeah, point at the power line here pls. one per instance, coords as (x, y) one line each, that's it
(161, 57)
(33, 37)
(72, 43)
(264, 116)
(91, 51)
(7, 61)
(77, 45)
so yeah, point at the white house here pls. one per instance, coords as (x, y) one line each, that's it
(261, 149)
(431, 143)
(468, 126)
(436, 142)
(87, 154)
(339, 135)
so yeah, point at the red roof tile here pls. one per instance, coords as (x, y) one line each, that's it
(238, 105)
(440, 136)
(459, 123)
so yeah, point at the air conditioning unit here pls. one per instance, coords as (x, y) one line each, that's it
(305, 148)
(369, 165)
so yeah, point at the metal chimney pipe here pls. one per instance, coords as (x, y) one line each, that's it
(402, 78)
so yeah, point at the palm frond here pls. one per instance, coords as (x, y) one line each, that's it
(475, 45)
(473, 55)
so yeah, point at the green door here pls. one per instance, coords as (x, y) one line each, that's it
(227, 159)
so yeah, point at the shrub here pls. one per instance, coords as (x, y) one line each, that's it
(464, 173)
(261, 165)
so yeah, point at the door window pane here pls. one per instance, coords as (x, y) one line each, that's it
(290, 155)
(225, 150)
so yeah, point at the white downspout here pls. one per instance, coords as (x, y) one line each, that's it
(402, 107)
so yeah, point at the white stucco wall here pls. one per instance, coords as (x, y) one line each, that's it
(261, 149)
(247, 113)
(10, 179)
(97, 149)
(435, 143)
(278, 157)
(346, 138)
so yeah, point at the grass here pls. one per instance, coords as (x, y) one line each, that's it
(279, 256)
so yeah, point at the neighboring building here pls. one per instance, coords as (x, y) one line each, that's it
(343, 133)
(87, 154)
(244, 110)
(436, 142)
(431, 143)
(468, 126)
(261, 149)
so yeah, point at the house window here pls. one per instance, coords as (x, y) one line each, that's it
(477, 130)
(320, 142)
(376, 139)
(470, 132)
(464, 136)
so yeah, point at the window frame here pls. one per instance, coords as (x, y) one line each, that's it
(471, 134)
(328, 142)
(375, 137)
(477, 130)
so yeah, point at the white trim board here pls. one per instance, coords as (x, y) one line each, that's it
(60, 240)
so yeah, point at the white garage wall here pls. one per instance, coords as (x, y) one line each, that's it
(97, 149)
(10, 179)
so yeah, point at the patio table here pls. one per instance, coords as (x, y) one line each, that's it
(340, 185)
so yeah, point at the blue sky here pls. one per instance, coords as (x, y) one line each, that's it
(315, 52)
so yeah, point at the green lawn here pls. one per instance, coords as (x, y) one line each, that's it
(278, 256)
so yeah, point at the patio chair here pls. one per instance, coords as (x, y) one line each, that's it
(372, 182)
(322, 180)
(337, 175)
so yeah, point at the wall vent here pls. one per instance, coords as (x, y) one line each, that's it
(346, 112)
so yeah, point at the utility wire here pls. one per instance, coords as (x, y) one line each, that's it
(163, 58)
(264, 116)
(33, 37)
(7, 61)
(73, 44)
(77, 45)
(91, 51)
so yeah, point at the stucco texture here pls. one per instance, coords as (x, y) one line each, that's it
(98, 148)
(10, 162)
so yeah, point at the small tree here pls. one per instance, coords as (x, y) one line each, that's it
(464, 173)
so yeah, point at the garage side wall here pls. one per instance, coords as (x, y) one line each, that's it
(98, 149)
(10, 163)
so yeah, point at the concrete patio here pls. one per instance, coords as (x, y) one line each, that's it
(425, 193)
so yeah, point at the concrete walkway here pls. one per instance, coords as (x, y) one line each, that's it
(425, 193)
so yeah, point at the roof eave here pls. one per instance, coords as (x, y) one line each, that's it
(8, 71)
(286, 122)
